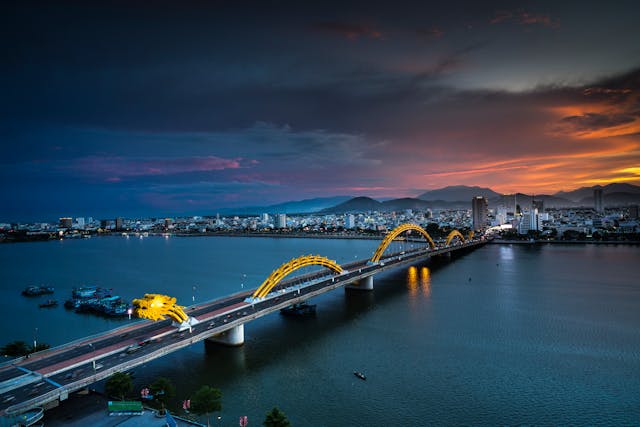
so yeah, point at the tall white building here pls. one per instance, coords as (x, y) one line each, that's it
(281, 221)
(349, 221)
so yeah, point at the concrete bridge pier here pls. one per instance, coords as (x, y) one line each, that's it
(365, 284)
(233, 337)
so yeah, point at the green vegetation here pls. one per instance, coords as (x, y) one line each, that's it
(119, 385)
(21, 348)
(163, 391)
(206, 400)
(276, 418)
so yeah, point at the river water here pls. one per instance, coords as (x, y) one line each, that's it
(538, 335)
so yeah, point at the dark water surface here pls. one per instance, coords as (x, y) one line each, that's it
(538, 335)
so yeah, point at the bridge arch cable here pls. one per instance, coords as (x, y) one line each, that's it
(453, 235)
(397, 232)
(289, 267)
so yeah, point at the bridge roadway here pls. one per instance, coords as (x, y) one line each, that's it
(52, 374)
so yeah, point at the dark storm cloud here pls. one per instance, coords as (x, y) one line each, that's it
(348, 30)
(140, 106)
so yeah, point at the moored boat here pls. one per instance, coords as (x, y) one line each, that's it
(34, 291)
(49, 303)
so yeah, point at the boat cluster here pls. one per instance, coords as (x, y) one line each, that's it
(36, 291)
(97, 300)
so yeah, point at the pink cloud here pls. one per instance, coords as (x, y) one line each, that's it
(115, 168)
(523, 18)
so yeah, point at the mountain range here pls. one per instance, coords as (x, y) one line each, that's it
(452, 197)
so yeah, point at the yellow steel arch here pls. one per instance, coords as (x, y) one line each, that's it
(471, 235)
(453, 235)
(156, 307)
(289, 267)
(395, 233)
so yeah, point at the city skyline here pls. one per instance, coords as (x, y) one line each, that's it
(124, 109)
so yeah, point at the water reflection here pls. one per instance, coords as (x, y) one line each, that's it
(419, 280)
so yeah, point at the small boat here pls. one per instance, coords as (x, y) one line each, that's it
(360, 375)
(49, 303)
(34, 291)
(300, 309)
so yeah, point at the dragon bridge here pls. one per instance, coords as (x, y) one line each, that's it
(289, 267)
(157, 307)
(395, 233)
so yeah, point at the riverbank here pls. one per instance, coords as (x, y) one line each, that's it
(91, 410)
(564, 242)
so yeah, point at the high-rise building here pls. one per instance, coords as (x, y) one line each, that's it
(633, 212)
(281, 221)
(118, 224)
(597, 200)
(349, 221)
(538, 204)
(479, 208)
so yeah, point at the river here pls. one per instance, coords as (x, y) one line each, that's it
(507, 334)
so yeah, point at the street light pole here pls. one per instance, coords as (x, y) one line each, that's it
(35, 340)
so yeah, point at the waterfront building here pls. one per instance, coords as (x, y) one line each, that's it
(479, 207)
(119, 224)
(597, 200)
(350, 221)
(281, 221)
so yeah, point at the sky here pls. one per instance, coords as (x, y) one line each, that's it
(139, 108)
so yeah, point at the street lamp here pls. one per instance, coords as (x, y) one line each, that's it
(219, 420)
(35, 341)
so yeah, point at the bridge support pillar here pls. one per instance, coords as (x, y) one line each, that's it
(233, 337)
(365, 284)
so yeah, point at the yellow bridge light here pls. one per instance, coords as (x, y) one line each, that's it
(397, 232)
(289, 267)
(453, 235)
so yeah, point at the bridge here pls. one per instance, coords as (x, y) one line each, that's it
(47, 377)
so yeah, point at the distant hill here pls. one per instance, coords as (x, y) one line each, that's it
(357, 204)
(524, 200)
(584, 193)
(293, 207)
(364, 204)
(613, 199)
(458, 193)
(452, 197)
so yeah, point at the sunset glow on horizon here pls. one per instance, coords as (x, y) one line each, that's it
(193, 107)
